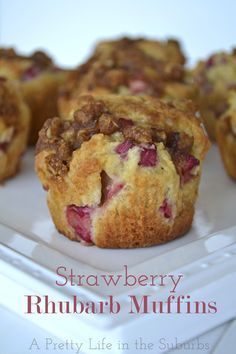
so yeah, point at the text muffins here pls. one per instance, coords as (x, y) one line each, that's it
(14, 128)
(39, 81)
(122, 171)
(214, 78)
(226, 136)
(129, 67)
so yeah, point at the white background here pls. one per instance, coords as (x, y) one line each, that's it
(68, 28)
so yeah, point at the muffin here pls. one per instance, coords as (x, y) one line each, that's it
(14, 128)
(129, 67)
(122, 171)
(165, 51)
(214, 78)
(226, 136)
(39, 79)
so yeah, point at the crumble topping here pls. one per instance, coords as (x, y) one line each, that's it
(65, 136)
(31, 65)
(127, 65)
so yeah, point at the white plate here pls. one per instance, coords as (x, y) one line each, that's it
(206, 257)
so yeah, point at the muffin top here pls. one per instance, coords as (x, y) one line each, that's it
(168, 50)
(129, 66)
(217, 73)
(127, 122)
(24, 68)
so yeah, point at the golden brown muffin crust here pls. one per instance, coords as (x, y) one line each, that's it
(122, 171)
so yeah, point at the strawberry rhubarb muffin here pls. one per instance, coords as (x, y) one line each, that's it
(214, 78)
(166, 51)
(226, 136)
(14, 128)
(39, 80)
(129, 67)
(122, 171)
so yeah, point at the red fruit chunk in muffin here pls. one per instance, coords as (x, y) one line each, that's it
(31, 73)
(109, 187)
(138, 86)
(185, 164)
(123, 148)
(166, 209)
(79, 218)
(148, 156)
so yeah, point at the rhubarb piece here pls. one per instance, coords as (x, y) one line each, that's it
(138, 86)
(187, 168)
(79, 218)
(114, 190)
(123, 148)
(148, 153)
(185, 163)
(110, 188)
(166, 209)
(148, 156)
(31, 73)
